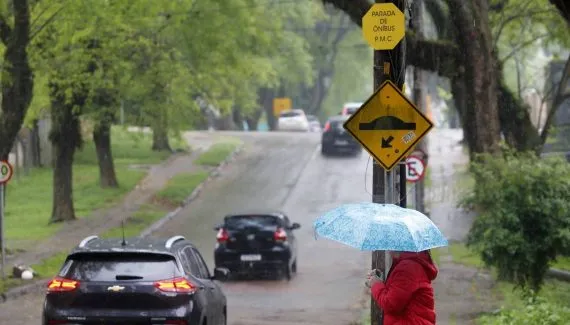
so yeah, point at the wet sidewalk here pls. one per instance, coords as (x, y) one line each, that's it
(462, 292)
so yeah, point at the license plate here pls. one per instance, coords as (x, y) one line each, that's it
(341, 142)
(250, 258)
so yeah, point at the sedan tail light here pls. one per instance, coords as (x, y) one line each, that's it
(180, 285)
(280, 235)
(59, 284)
(327, 126)
(222, 236)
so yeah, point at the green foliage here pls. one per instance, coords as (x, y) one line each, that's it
(523, 214)
(536, 311)
(520, 29)
(352, 80)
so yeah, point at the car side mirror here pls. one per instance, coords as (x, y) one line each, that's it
(295, 225)
(218, 227)
(221, 274)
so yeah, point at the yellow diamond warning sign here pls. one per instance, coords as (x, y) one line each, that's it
(388, 125)
(384, 26)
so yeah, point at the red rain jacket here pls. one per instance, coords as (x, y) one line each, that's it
(407, 297)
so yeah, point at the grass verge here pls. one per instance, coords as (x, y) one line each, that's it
(28, 198)
(554, 291)
(180, 187)
(133, 226)
(217, 153)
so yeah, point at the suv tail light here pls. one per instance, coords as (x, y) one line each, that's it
(280, 235)
(58, 284)
(222, 236)
(180, 285)
(327, 126)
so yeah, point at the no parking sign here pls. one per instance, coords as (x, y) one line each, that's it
(415, 169)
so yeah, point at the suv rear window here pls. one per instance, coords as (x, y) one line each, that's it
(289, 114)
(250, 220)
(105, 267)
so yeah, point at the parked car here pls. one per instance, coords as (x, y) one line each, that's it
(350, 108)
(257, 244)
(336, 140)
(314, 124)
(138, 281)
(293, 120)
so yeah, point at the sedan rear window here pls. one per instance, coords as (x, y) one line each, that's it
(113, 267)
(251, 220)
(290, 114)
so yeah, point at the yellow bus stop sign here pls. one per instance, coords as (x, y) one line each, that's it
(384, 26)
(388, 125)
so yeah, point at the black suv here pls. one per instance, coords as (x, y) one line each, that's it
(335, 139)
(137, 281)
(257, 244)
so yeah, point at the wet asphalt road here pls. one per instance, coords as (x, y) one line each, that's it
(286, 172)
(275, 171)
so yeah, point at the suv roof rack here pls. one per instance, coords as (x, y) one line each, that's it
(86, 240)
(173, 240)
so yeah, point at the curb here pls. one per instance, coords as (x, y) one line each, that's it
(39, 285)
(193, 196)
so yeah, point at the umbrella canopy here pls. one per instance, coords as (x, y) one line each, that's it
(372, 226)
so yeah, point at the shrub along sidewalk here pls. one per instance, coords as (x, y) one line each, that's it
(167, 185)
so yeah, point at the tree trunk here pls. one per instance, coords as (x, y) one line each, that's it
(481, 121)
(102, 139)
(237, 119)
(65, 136)
(266, 99)
(17, 78)
(160, 139)
(253, 120)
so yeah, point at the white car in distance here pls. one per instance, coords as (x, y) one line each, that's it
(293, 120)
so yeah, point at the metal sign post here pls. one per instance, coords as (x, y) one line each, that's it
(388, 125)
(6, 172)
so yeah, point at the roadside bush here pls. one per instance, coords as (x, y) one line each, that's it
(523, 222)
(536, 311)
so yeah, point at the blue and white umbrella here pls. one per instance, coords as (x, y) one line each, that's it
(372, 226)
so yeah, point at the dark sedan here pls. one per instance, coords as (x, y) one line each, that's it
(335, 139)
(257, 244)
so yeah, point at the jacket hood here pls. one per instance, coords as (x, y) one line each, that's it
(424, 259)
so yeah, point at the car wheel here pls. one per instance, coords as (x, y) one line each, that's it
(288, 272)
(324, 151)
(294, 267)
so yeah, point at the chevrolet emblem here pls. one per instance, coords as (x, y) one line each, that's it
(115, 288)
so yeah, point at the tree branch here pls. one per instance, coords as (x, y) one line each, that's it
(432, 55)
(355, 9)
(558, 100)
(562, 6)
(5, 30)
(522, 46)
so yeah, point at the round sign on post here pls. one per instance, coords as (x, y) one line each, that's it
(6, 171)
(384, 26)
(415, 169)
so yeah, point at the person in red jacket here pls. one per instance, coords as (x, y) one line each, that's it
(407, 296)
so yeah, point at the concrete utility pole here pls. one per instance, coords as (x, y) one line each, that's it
(418, 95)
(388, 65)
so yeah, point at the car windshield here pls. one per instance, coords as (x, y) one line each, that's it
(236, 222)
(111, 267)
(290, 114)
